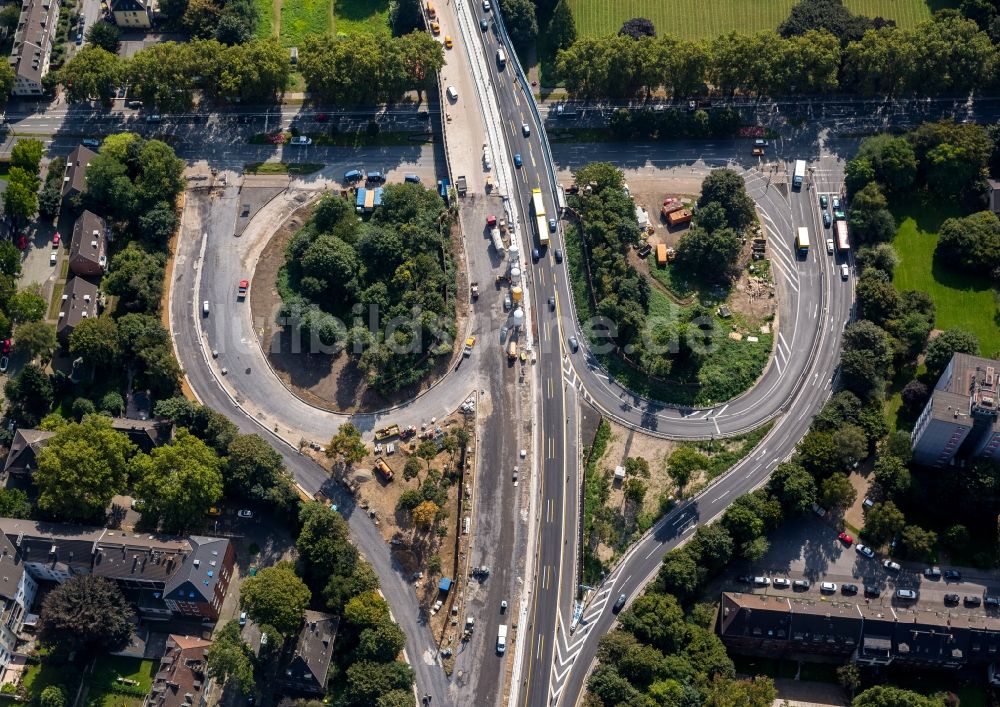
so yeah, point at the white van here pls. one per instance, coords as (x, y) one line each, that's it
(501, 58)
(204, 308)
(452, 93)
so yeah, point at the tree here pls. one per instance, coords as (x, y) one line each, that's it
(14, 503)
(849, 677)
(943, 346)
(323, 544)
(105, 35)
(27, 305)
(7, 78)
(20, 201)
(870, 219)
(892, 476)
(113, 404)
(405, 16)
(53, 696)
(81, 468)
(562, 27)
(253, 468)
(367, 610)
(712, 545)
(882, 521)
(276, 597)
(27, 154)
(10, 259)
(96, 340)
(889, 696)
(637, 28)
(367, 681)
(836, 491)
(49, 200)
(179, 481)
(425, 513)
(680, 575)
(709, 253)
(656, 619)
(412, 468)
(158, 225)
(93, 74)
(610, 687)
(918, 544)
(36, 339)
(136, 276)
(85, 614)
(971, 243)
(395, 698)
(893, 159)
(347, 444)
(522, 24)
(229, 658)
(754, 550)
(381, 643)
(682, 465)
(725, 692)
(727, 188)
(30, 395)
(793, 486)
(817, 453)
(829, 15)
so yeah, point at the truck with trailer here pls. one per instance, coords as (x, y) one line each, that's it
(799, 174)
(384, 469)
(802, 240)
(387, 432)
(502, 639)
(843, 243)
(538, 207)
(498, 242)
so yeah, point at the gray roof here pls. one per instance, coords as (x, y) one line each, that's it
(23, 449)
(145, 433)
(128, 6)
(75, 179)
(170, 562)
(79, 301)
(306, 668)
(33, 39)
(88, 250)
(974, 382)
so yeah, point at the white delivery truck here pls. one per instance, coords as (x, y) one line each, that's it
(502, 639)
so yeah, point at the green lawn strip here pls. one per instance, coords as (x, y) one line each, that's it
(293, 168)
(723, 454)
(4, 169)
(300, 18)
(265, 23)
(691, 19)
(353, 16)
(594, 491)
(353, 139)
(39, 676)
(962, 300)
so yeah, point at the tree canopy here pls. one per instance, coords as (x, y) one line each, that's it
(276, 597)
(85, 613)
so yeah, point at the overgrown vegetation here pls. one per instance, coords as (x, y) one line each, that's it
(381, 291)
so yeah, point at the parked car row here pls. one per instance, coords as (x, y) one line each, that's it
(847, 588)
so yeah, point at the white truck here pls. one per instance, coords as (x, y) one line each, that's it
(498, 242)
(502, 639)
(799, 174)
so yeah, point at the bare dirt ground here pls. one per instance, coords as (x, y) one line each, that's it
(333, 382)
(412, 546)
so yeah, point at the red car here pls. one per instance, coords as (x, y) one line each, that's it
(22, 242)
(846, 539)
(55, 240)
(7, 346)
(491, 220)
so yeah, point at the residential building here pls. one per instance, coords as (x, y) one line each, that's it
(145, 434)
(305, 667)
(79, 301)
(162, 576)
(960, 419)
(182, 678)
(17, 594)
(22, 457)
(75, 178)
(840, 628)
(132, 14)
(88, 251)
(33, 42)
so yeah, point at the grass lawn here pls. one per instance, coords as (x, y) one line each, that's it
(106, 691)
(692, 19)
(4, 169)
(352, 16)
(39, 676)
(265, 11)
(300, 18)
(962, 300)
(295, 168)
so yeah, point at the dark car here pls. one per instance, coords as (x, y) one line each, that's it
(745, 579)
(972, 601)
(552, 225)
(992, 602)
(872, 591)
(574, 344)
(952, 576)
(826, 219)
(535, 254)
(552, 302)
(483, 24)
(619, 604)
(849, 588)
(559, 255)
(951, 598)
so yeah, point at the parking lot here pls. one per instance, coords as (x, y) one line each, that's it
(808, 552)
